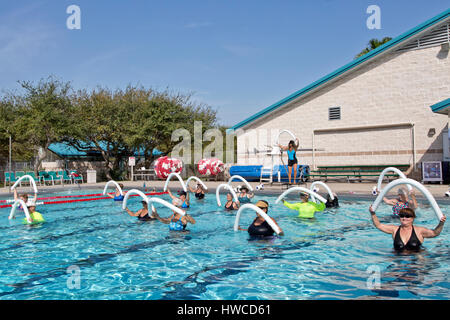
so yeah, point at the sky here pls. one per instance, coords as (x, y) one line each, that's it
(237, 56)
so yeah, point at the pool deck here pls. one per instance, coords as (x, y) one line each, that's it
(355, 189)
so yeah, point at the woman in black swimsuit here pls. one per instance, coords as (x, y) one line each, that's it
(230, 204)
(199, 192)
(142, 214)
(406, 236)
(259, 227)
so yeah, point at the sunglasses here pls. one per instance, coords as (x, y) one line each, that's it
(402, 215)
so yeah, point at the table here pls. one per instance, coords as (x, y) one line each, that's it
(146, 174)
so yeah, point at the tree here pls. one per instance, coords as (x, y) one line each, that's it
(120, 123)
(101, 122)
(41, 115)
(373, 44)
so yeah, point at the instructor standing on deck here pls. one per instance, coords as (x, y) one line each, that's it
(291, 149)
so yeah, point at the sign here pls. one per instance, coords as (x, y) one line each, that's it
(131, 161)
(432, 171)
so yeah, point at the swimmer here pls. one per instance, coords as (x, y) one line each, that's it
(117, 196)
(24, 197)
(245, 196)
(142, 214)
(305, 208)
(291, 149)
(407, 237)
(176, 221)
(402, 201)
(332, 203)
(35, 216)
(259, 226)
(184, 197)
(199, 192)
(230, 204)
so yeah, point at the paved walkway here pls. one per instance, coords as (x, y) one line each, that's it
(356, 188)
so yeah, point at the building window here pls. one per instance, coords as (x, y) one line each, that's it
(334, 113)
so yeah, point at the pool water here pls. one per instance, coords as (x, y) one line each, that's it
(95, 250)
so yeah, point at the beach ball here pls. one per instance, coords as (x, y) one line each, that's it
(165, 166)
(210, 167)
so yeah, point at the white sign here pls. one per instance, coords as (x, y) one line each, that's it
(131, 161)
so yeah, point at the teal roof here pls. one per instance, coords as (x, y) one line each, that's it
(371, 54)
(66, 151)
(441, 107)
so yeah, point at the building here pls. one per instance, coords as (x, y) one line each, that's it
(373, 111)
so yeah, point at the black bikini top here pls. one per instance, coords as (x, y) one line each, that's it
(413, 243)
(146, 217)
(230, 207)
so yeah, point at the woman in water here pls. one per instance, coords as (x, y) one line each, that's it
(184, 198)
(142, 214)
(291, 149)
(24, 198)
(406, 236)
(117, 196)
(245, 196)
(35, 216)
(176, 221)
(259, 226)
(402, 201)
(230, 204)
(199, 192)
(305, 208)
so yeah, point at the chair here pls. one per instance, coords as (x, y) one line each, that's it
(78, 176)
(55, 177)
(44, 176)
(10, 178)
(19, 174)
(31, 174)
(65, 176)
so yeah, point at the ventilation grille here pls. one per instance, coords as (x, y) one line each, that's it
(435, 38)
(334, 113)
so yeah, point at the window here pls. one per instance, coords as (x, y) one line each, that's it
(334, 113)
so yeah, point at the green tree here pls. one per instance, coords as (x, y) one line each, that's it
(41, 115)
(101, 122)
(119, 123)
(373, 44)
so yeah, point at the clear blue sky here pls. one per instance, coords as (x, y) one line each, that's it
(238, 56)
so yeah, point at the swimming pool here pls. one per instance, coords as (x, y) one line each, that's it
(95, 250)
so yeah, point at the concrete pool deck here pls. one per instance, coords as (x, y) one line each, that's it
(355, 189)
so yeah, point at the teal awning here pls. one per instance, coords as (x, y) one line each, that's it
(64, 150)
(442, 107)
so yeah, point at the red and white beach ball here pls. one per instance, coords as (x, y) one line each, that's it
(210, 167)
(165, 166)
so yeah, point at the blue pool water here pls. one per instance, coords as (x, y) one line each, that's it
(336, 256)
